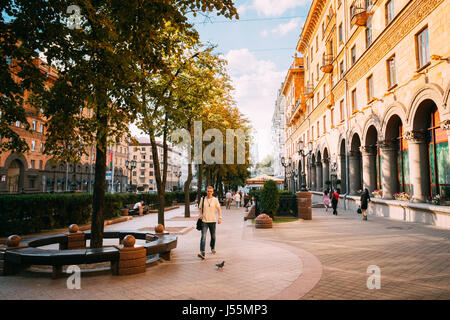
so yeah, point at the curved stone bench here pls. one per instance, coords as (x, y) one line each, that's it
(28, 253)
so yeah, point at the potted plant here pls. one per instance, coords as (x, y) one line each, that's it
(270, 198)
(378, 193)
(402, 196)
(436, 199)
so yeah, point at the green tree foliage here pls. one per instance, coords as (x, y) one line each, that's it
(270, 198)
(100, 66)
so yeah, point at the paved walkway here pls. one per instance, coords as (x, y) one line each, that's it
(325, 258)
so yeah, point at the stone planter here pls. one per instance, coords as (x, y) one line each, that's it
(125, 212)
(263, 221)
(402, 199)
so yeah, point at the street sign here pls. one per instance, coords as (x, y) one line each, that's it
(108, 175)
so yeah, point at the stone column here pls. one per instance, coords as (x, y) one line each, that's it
(354, 171)
(325, 172)
(389, 169)
(418, 165)
(319, 176)
(343, 173)
(313, 177)
(304, 205)
(369, 165)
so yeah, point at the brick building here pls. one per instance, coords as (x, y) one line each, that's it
(34, 172)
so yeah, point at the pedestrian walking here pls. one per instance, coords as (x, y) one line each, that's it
(365, 198)
(228, 197)
(334, 201)
(326, 200)
(237, 199)
(207, 212)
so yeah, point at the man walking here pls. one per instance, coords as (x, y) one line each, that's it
(237, 199)
(207, 210)
(228, 197)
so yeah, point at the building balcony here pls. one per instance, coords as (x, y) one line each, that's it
(360, 12)
(309, 90)
(327, 63)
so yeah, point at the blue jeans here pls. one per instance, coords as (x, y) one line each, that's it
(212, 231)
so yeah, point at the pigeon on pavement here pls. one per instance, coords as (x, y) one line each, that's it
(220, 265)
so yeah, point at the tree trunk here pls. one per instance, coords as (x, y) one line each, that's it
(187, 200)
(159, 182)
(98, 201)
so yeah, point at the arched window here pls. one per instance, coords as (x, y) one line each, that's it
(402, 161)
(437, 155)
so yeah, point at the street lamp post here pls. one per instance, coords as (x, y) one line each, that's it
(290, 171)
(178, 175)
(130, 165)
(284, 164)
(302, 153)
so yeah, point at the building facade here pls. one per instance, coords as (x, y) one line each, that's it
(377, 100)
(36, 172)
(143, 176)
(278, 134)
(295, 110)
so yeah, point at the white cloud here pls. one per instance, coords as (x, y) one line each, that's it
(256, 84)
(264, 33)
(283, 29)
(276, 7)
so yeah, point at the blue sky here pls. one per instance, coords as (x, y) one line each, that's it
(259, 53)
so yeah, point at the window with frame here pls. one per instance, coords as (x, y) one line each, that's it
(33, 125)
(341, 35)
(353, 54)
(18, 124)
(317, 70)
(317, 43)
(392, 76)
(369, 86)
(422, 48)
(390, 11)
(41, 164)
(33, 164)
(41, 128)
(41, 147)
(312, 132)
(33, 145)
(341, 109)
(354, 102)
(323, 29)
(318, 129)
(341, 69)
(324, 124)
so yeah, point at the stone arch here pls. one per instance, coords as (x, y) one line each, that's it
(16, 156)
(356, 129)
(374, 121)
(396, 108)
(427, 92)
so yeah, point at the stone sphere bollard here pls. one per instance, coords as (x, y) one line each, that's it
(13, 241)
(73, 228)
(263, 221)
(129, 241)
(159, 228)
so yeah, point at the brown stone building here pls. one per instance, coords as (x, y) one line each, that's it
(34, 172)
